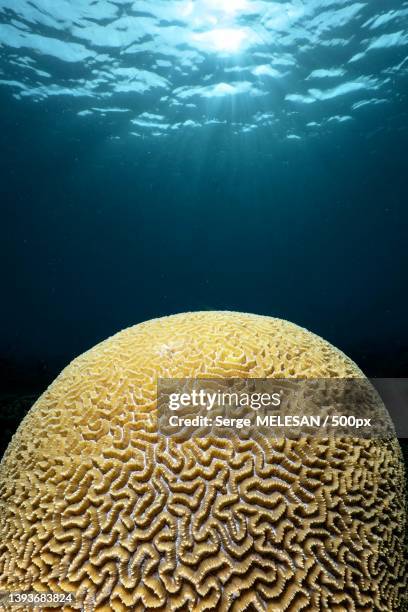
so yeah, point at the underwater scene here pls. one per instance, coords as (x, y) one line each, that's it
(202, 190)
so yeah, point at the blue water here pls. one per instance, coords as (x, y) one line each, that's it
(159, 157)
(287, 70)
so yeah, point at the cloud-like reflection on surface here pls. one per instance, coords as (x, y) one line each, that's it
(294, 66)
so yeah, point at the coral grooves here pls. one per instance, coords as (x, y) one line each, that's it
(94, 501)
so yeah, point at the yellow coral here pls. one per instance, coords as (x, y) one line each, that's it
(94, 501)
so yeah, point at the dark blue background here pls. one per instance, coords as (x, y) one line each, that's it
(100, 234)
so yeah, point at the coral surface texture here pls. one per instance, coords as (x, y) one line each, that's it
(94, 501)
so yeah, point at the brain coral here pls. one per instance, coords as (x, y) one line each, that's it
(95, 502)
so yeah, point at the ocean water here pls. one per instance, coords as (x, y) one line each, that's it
(161, 156)
(166, 156)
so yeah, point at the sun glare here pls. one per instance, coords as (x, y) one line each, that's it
(222, 39)
(214, 24)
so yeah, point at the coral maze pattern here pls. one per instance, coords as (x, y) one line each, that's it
(95, 502)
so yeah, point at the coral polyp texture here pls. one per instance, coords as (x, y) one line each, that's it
(94, 501)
